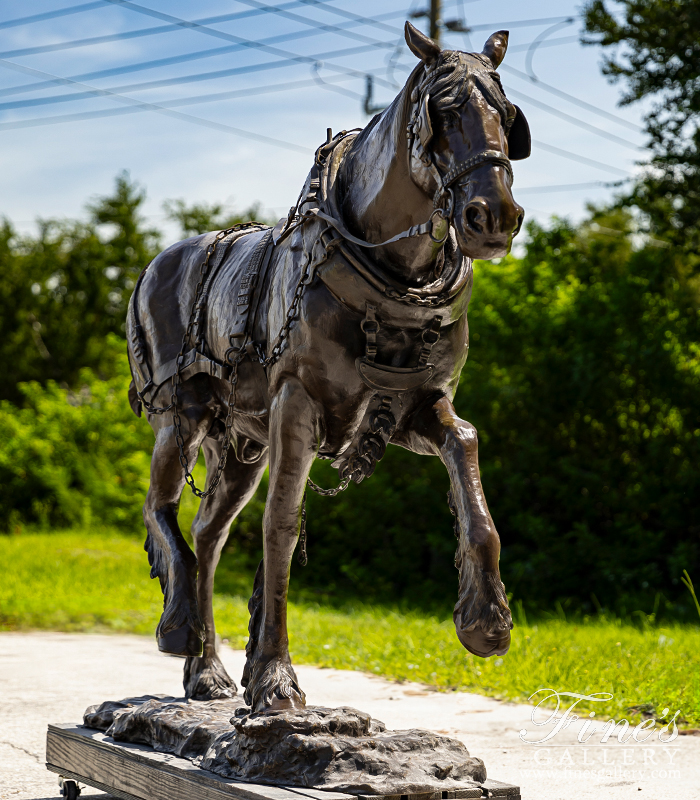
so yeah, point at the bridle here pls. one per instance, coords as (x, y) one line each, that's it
(419, 134)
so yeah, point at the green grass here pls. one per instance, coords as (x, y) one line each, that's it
(98, 581)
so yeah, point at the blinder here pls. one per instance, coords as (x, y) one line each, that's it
(519, 143)
(424, 125)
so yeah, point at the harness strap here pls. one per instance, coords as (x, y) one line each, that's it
(221, 250)
(250, 280)
(370, 326)
(430, 337)
(193, 362)
(414, 230)
(468, 165)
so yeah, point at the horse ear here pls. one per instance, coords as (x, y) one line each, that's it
(421, 45)
(495, 47)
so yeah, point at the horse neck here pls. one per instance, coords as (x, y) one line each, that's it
(380, 198)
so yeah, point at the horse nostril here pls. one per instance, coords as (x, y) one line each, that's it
(519, 223)
(476, 215)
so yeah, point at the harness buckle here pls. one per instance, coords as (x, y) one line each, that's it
(445, 218)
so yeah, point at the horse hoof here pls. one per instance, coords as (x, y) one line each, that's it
(272, 686)
(206, 679)
(183, 641)
(483, 644)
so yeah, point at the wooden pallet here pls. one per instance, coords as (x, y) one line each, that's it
(137, 772)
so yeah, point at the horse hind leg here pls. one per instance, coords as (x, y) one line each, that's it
(205, 676)
(180, 630)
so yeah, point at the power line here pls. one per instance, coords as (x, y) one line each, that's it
(262, 45)
(589, 162)
(561, 187)
(159, 109)
(136, 106)
(322, 26)
(224, 73)
(168, 61)
(141, 32)
(207, 31)
(539, 40)
(61, 12)
(181, 101)
(523, 23)
(92, 91)
(574, 120)
(571, 98)
(519, 48)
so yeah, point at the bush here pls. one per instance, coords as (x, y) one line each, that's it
(582, 382)
(74, 457)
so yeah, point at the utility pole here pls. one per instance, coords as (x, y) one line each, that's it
(435, 19)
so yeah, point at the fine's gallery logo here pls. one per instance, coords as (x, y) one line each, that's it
(559, 720)
(572, 746)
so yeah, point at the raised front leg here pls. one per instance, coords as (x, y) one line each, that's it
(205, 676)
(482, 617)
(269, 678)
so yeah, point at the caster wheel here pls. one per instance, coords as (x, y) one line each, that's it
(70, 789)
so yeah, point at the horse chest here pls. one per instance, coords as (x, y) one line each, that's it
(367, 379)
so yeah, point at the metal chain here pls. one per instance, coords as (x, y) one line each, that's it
(150, 408)
(341, 487)
(292, 313)
(302, 558)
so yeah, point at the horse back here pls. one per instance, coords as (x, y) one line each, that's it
(162, 303)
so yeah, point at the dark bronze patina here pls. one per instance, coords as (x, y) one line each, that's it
(338, 332)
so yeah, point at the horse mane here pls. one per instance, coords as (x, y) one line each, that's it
(457, 74)
(450, 83)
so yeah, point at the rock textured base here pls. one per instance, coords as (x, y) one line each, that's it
(325, 748)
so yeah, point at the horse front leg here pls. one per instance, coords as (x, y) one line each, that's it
(481, 615)
(269, 678)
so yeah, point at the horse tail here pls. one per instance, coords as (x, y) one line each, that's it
(136, 345)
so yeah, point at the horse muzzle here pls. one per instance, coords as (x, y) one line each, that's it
(485, 226)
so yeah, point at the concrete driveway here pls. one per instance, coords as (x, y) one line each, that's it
(53, 677)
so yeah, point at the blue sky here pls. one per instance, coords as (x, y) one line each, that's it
(300, 82)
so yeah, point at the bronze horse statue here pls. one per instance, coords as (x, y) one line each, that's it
(341, 330)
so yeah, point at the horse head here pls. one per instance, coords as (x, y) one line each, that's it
(462, 135)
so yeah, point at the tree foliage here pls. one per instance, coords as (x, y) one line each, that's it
(582, 381)
(656, 55)
(199, 218)
(63, 291)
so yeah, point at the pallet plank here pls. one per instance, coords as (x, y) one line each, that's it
(137, 772)
(144, 773)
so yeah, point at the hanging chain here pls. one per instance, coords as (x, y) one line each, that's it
(341, 487)
(292, 314)
(150, 408)
(302, 558)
